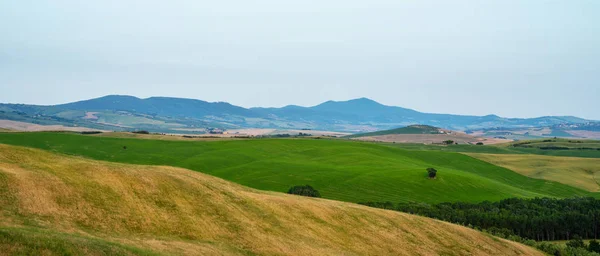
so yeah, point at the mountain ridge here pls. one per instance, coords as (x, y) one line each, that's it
(166, 113)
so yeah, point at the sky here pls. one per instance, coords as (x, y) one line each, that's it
(512, 58)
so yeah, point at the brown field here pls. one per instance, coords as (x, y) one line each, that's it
(461, 138)
(29, 127)
(585, 134)
(181, 212)
(583, 173)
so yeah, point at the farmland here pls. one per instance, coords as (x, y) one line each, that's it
(341, 170)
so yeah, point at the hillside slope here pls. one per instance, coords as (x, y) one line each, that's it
(171, 210)
(342, 170)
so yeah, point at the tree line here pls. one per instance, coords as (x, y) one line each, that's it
(540, 219)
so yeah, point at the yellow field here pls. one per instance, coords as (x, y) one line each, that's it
(177, 211)
(583, 173)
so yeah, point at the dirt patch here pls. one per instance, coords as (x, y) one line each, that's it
(91, 116)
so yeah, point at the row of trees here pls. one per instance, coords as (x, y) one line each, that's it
(540, 219)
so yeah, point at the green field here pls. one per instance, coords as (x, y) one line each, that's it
(342, 170)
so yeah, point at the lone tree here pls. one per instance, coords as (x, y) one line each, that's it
(304, 191)
(479, 143)
(448, 142)
(432, 173)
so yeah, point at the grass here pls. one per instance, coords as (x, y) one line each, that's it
(341, 170)
(499, 149)
(583, 173)
(412, 129)
(34, 241)
(82, 206)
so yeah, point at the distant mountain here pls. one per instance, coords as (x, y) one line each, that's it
(118, 112)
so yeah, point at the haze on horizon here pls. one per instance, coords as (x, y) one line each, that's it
(511, 58)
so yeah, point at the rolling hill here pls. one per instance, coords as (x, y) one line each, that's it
(175, 115)
(342, 170)
(411, 129)
(53, 204)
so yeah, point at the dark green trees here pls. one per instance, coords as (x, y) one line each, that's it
(594, 246)
(432, 173)
(306, 190)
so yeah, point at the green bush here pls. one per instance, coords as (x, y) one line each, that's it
(306, 190)
(432, 172)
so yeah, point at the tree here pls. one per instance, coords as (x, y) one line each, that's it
(576, 242)
(479, 143)
(448, 142)
(306, 190)
(594, 246)
(431, 172)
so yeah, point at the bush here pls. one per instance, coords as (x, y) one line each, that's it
(448, 142)
(576, 242)
(479, 143)
(141, 132)
(431, 172)
(304, 191)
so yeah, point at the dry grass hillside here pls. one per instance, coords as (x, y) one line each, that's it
(57, 204)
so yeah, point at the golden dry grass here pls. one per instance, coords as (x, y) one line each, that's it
(177, 211)
(578, 172)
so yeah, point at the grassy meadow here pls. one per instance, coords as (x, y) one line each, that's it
(578, 172)
(341, 170)
(53, 204)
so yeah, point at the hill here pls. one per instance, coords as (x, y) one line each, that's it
(55, 204)
(177, 115)
(411, 129)
(342, 170)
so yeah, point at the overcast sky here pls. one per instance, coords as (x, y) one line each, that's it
(512, 58)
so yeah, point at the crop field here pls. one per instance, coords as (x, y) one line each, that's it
(341, 170)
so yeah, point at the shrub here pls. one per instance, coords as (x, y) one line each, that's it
(479, 143)
(141, 132)
(448, 142)
(576, 242)
(432, 172)
(304, 191)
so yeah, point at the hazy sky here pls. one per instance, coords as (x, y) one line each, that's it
(519, 58)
